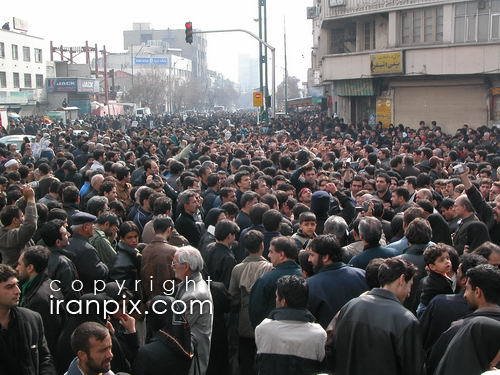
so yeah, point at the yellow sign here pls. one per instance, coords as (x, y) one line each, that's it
(495, 91)
(386, 63)
(384, 111)
(258, 99)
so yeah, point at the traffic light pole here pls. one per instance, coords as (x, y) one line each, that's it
(273, 54)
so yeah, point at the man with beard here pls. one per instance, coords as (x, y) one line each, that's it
(325, 254)
(92, 344)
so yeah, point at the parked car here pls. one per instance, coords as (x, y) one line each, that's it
(17, 139)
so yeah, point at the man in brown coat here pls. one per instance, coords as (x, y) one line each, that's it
(157, 275)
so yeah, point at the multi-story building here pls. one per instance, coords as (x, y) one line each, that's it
(142, 34)
(409, 60)
(23, 69)
(143, 59)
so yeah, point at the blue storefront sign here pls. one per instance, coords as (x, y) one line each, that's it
(151, 60)
(62, 85)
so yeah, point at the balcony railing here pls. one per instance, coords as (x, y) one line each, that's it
(346, 8)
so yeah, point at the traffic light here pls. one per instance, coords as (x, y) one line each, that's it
(189, 32)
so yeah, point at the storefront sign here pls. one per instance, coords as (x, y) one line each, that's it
(258, 100)
(387, 63)
(62, 85)
(151, 61)
(336, 3)
(384, 111)
(88, 85)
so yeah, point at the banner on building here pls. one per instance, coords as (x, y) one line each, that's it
(387, 63)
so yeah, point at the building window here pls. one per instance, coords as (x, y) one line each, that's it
(2, 50)
(343, 40)
(39, 81)
(421, 26)
(15, 52)
(26, 54)
(477, 21)
(15, 77)
(3, 79)
(38, 55)
(27, 80)
(368, 36)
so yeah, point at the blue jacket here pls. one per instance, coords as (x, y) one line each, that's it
(331, 288)
(263, 295)
(362, 260)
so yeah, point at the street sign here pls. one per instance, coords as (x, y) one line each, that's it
(258, 99)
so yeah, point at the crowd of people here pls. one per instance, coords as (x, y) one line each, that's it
(302, 246)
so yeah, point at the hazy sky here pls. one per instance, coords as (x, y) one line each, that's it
(71, 23)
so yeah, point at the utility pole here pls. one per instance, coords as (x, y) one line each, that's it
(263, 74)
(286, 68)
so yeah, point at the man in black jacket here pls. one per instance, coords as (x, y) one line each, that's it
(220, 259)
(36, 291)
(375, 333)
(90, 268)
(186, 224)
(23, 348)
(60, 268)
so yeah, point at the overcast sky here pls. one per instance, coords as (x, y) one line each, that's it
(71, 23)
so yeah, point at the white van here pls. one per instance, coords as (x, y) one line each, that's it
(143, 111)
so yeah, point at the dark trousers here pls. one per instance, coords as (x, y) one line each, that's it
(247, 352)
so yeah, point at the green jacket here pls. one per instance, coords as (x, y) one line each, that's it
(104, 249)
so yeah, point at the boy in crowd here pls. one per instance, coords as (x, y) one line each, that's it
(307, 229)
(437, 261)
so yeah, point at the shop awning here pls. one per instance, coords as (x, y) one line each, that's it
(354, 87)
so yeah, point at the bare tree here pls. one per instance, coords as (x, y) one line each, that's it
(293, 91)
(150, 89)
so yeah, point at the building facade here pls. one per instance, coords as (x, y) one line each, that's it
(23, 69)
(143, 34)
(408, 60)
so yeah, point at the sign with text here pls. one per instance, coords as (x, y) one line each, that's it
(384, 111)
(387, 63)
(258, 99)
(151, 60)
(62, 85)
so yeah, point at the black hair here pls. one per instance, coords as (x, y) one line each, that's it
(293, 289)
(285, 245)
(487, 278)
(161, 224)
(253, 240)
(224, 228)
(38, 256)
(327, 244)
(392, 268)
(80, 338)
(433, 252)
